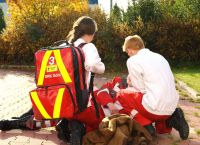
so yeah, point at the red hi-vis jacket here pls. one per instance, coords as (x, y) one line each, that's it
(60, 78)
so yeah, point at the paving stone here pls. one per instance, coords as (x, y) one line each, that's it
(6, 139)
(194, 142)
(15, 101)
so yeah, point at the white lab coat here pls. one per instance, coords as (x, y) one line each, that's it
(150, 74)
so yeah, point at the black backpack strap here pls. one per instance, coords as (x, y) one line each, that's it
(91, 80)
(91, 91)
(57, 43)
(81, 45)
(77, 80)
(82, 62)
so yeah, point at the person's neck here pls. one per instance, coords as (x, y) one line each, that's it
(135, 52)
(138, 50)
(85, 39)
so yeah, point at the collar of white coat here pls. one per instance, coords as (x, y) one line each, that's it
(78, 42)
(143, 50)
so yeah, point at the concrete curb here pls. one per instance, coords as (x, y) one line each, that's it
(190, 91)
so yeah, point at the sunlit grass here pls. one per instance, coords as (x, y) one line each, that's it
(196, 114)
(198, 132)
(189, 75)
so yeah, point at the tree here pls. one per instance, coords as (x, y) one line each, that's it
(132, 13)
(194, 6)
(149, 10)
(116, 14)
(37, 23)
(2, 22)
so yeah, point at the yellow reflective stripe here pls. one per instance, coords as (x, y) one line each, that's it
(61, 67)
(58, 103)
(43, 67)
(39, 105)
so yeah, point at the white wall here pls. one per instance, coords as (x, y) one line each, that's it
(105, 4)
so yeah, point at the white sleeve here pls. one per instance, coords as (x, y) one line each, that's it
(92, 59)
(136, 76)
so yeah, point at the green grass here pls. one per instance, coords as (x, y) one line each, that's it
(198, 132)
(196, 114)
(198, 107)
(197, 100)
(183, 94)
(189, 75)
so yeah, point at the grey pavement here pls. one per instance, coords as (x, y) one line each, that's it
(14, 100)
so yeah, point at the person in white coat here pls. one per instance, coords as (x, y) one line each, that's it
(83, 32)
(150, 74)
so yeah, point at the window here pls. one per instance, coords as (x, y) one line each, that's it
(93, 1)
(2, 1)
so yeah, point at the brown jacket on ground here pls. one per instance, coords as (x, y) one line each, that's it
(118, 129)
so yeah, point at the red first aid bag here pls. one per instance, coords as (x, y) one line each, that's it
(58, 68)
(59, 65)
(52, 102)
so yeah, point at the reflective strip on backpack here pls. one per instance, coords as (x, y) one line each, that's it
(58, 102)
(39, 105)
(61, 67)
(43, 67)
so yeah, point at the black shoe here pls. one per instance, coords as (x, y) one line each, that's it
(63, 130)
(12, 124)
(25, 115)
(177, 121)
(77, 130)
(150, 129)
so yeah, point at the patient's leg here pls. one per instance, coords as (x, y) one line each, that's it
(26, 123)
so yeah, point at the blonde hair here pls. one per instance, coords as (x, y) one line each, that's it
(133, 42)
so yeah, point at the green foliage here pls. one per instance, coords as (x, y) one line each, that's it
(194, 6)
(2, 22)
(169, 27)
(38, 23)
(116, 14)
(131, 14)
(149, 10)
(180, 10)
(178, 42)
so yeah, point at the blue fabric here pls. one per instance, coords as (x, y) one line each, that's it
(93, 1)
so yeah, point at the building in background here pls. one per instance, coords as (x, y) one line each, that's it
(93, 3)
(4, 6)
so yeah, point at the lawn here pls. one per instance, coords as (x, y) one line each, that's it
(189, 75)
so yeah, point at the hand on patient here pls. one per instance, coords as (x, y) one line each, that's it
(112, 108)
(129, 81)
(128, 90)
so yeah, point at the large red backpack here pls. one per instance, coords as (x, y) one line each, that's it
(61, 86)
